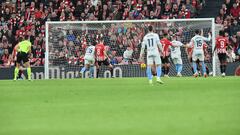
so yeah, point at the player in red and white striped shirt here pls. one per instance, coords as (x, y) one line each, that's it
(102, 57)
(166, 54)
(221, 47)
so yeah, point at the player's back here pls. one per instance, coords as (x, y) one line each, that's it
(165, 43)
(198, 42)
(90, 51)
(221, 44)
(151, 41)
(100, 48)
(24, 46)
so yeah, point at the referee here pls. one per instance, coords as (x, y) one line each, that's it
(23, 49)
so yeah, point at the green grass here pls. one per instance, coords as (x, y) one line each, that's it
(182, 106)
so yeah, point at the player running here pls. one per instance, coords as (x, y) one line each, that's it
(89, 61)
(198, 52)
(151, 41)
(221, 46)
(176, 54)
(102, 57)
(165, 56)
(23, 49)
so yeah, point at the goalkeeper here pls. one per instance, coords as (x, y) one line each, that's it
(23, 49)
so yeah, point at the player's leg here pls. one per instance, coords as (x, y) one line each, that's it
(194, 65)
(149, 69)
(98, 64)
(175, 63)
(199, 66)
(224, 63)
(167, 66)
(85, 67)
(91, 69)
(201, 59)
(221, 64)
(163, 65)
(27, 65)
(29, 72)
(110, 67)
(179, 65)
(19, 76)
(16, 70)
(158, 63)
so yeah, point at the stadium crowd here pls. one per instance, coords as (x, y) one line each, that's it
(28, 17)
(229, 21)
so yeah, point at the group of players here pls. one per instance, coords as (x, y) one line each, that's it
(157, 54)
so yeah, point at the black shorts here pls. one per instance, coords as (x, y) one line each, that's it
(165, 60)
(105, 62)
(222, 57)
(22, 56)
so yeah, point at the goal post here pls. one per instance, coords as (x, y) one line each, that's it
(66, 41)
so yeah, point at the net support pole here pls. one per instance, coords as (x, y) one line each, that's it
(213, 45)
(46, 63)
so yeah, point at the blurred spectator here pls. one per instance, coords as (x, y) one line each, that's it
(127, 55)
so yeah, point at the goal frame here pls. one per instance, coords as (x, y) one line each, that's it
(46, 64)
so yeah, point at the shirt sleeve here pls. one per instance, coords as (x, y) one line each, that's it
(206, 39)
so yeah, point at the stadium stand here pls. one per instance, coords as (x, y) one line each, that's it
(229, 20)
(27, 17)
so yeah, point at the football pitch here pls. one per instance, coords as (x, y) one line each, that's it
(127, 106)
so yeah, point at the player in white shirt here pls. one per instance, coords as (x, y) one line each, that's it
(176, 54)
(198, 53)
(89, 61)
(151, 41)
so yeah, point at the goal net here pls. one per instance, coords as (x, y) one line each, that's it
(66, 43)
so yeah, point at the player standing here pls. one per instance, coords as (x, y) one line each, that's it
(198, 52)
(102, 57)
(176, 54)
(89, 61)
(165, 56)
(221, 46)
(151, 41)
(23, 49)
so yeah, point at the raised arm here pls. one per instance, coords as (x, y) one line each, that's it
(209, 37)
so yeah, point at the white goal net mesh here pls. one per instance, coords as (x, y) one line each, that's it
(67, 41)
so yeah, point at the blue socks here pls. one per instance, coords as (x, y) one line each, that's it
(203, 67)
(159, 71)
(83, 70)
(149, 72)
(194, 67)
(178, 68)
(91, 70)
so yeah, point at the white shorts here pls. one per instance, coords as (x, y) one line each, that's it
(199, 57)
(177, 60)
(89, 60)
(152, 59)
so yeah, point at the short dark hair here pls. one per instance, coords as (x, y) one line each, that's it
(101, 39)
(197, 31)
(20, 39)
(165, 35)
(221, 33)
(150, 28)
